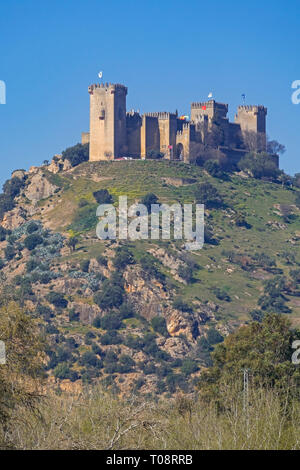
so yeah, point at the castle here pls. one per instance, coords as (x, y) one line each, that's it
(116, 133)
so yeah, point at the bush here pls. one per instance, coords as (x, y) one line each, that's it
(77, 154)
(149, 199)
(103, 197)
(111, 337)
(214, 337)
(73, 316)
(111, 321)
(260, 165)
(123, 257)
(179, 304)
(12, 187)
(84, 265)
(208, 195)
(3, 233)
(102, 260)
(189, 366)
(6, 204)
(126, 311)
(32, 241)
(186, 273)
(57, 299)
(221, 294)
(32, 227)
(213, 167)
(110, 296)
(159, 325)
(62, 371)
(9, 252)
(154, 155)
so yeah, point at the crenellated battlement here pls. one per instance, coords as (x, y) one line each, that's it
(107, 87)
(208, 104)
(161, 115)
(253, 108)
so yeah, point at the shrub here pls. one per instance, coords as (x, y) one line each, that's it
(6, 204)
(57, 299)
(110, 296)
(9, 252)
(259, 165)
(84, 265)
(186, 273)
(208, 195)
(154, 155)
(149, 199)
(111, 321)
(126, 311)
(32, 241)
(214, 337)
(3, 233)
(123, 257)
(213, 167)
(73, 316)
(221, 294)
(103, 197)
(111, 337)
(12, 187)
(62, 371)
(102, 260)
(179, 304)
(189, 366)
(159, 325)
(77, 154)
(32, 227)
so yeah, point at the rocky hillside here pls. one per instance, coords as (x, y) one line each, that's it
(144, 316)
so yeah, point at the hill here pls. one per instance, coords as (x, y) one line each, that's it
(144, 315)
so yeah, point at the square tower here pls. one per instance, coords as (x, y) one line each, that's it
(107, 121)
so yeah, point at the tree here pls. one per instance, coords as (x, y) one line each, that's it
(77, 154)
(21, 375)
(259, 165)
(207, 194)
(72, 242)
(264, 348)
(254, 141)
(275, 147)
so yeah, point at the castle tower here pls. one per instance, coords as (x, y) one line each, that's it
(211, 109)
(107, 121)
(253, 119)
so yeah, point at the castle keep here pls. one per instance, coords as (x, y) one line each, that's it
(115, 133)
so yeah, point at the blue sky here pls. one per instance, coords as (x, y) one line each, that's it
(168, 52)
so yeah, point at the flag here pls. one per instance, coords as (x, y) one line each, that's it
(204, 108)
(210, 95)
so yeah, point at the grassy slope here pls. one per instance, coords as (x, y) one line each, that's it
(255, 199)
